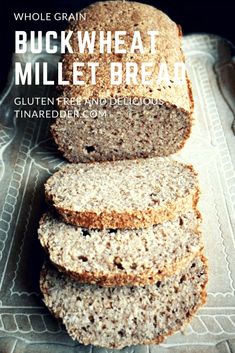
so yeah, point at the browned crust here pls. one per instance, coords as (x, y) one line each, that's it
(161, 338)
(190, 93)
(180, 30)
(101, 18)
(128, 220)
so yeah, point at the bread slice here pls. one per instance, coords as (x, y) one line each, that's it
(123, 194)
(121, 257)
(123, 316)
(127, 120)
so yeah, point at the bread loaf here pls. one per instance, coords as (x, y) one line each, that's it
(123, 194)
(123, 316)
(108, 131)
(116, 257)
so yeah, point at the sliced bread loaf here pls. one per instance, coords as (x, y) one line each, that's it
(126, 120)
(123, 194)
(123, 316)
(121, 257)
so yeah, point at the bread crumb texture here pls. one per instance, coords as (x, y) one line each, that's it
(124, 132)
(115, 257)
(123, 194)
(123, 316)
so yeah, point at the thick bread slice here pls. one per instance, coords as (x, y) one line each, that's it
(121, 257)
(123, 194)
(104, 125)
(123, 316)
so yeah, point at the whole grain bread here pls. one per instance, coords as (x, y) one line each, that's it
(116, 257)
(123, 194)
(123, 316)
(99, 129)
